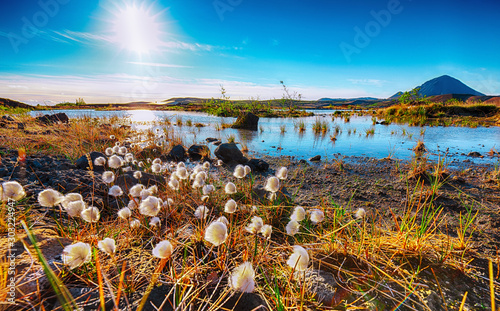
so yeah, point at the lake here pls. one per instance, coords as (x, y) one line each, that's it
(394, 140)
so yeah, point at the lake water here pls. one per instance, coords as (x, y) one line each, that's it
(387, 140)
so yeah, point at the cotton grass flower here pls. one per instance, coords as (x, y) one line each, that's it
(76, 255)
(255, 225)
(207, 189)
(239, 171)
(108, 177)
(127, 169)
(75, 208)
(135, 191)
(360, 213)
(107, 245)
(266, 231)
(154, 222)
(100, 161)
(206, 165)
(299, 259)
(299, 214)
(198, 182)
(124, 213)
(90, 214)
(115, 161)
(137, 174)
(223, 220)
(109, 151)
(49, 197)
(242, 278)
(71, 197)
(129, 158)
(230, 188)
(150, 206)
(292, 227)
(216, 233)
(135, 223)
(230, 206)
(317, 216)
(132, 204)
(201, 212)
(272, 184)
(282, 173)
(156, 168)
(174, 184)
(116, 148)
(182, 173)
(122, 151)
(163, 250)
(115, 191)
(157, 161)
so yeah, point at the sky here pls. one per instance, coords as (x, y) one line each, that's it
(109, 51)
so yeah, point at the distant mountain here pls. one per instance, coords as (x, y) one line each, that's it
(443, 85)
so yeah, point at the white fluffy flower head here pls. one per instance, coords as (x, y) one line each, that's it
(107, 245)
(90, 214)
(239, 171)
(124, 213)
(115, 161)
(163, 250)
(272, 184)
(242, 278)
(317, 216)
(230, 206)
(266, 231)
(76, 254)
(255, 226)
(292, 227)
(108, 177)
(100, 161)
(201, 212)
(49, 197)
(299, 214)
(75, 208)
(150, 206)
(282, 173)
(230, 188)
(216, 233)
(299, 260)
(115, 191)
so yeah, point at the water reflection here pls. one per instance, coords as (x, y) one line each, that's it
(387, 140)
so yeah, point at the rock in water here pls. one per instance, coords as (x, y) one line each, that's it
(83, 161)
(53, 118)
(230, 154)
(178, 153)
(316, 158)
(247, 121)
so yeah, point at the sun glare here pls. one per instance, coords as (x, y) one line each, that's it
(137, 29)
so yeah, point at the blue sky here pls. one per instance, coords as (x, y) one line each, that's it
(120, 50)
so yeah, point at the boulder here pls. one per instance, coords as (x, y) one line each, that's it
(258, 165)
(211, 139)
(247, 121)
(316, 158)
(83, 161)
(230, 154)
(53, 118)
(198, 152)
(474, 154)
(322, 285)
(178, 153)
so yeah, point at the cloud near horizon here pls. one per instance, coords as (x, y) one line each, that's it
(50, 90)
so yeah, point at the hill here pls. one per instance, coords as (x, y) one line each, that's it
(443, 85)
(5, 102)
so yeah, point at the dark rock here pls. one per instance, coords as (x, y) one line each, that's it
(302, 161)
(474, 154)
(258, 165)
(198, 152)
(127, 180)
(53, 118)
(322, 286)
(87, 299)
(20, 125)
(385, 122)
(245, 302)
(316, 158)
(247, 121)
(211, 139)
(178, 153)
(230, 154)
(217, 143)
(157, 297)
(83, 162)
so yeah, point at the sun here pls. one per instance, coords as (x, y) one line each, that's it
(137, 28)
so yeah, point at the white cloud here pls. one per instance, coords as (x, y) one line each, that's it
(373, 82)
